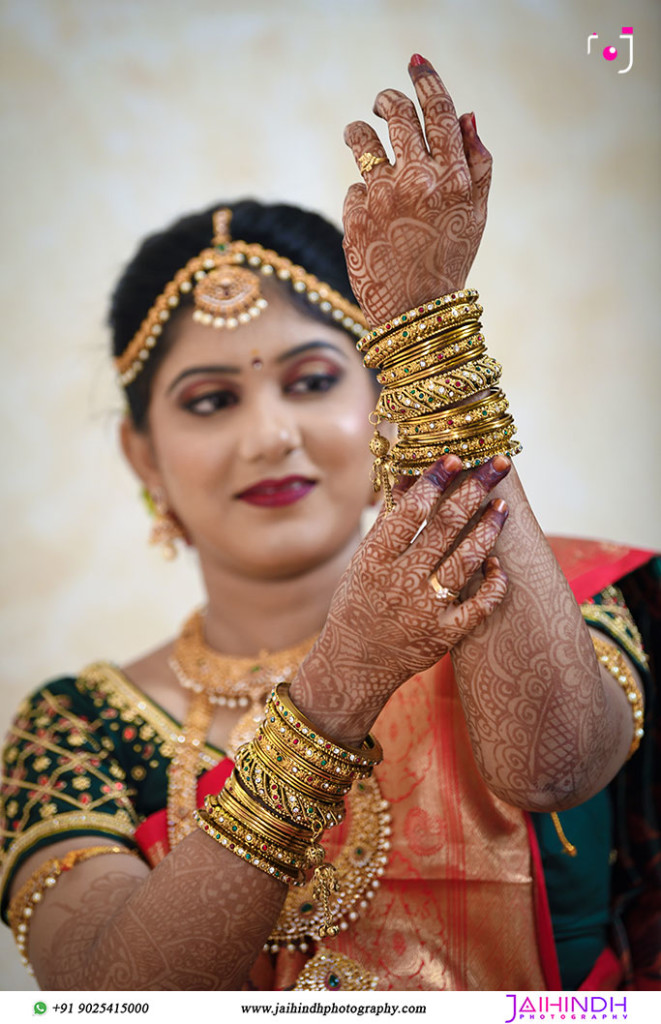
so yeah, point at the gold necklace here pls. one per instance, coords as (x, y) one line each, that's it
(214, 680)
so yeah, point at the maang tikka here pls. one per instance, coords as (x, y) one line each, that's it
(224, 283)
(229, 295)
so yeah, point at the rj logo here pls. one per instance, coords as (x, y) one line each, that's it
(610, 52)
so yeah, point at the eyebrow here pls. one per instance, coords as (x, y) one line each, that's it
(234, 370)
(306, 346)
(191, 371)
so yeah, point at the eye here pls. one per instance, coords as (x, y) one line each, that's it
(311, 383)
(210, 402)
(312, 377)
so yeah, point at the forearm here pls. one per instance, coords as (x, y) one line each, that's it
(197, 921)
(545, 730)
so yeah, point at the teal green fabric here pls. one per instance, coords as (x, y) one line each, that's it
(75, 757)
(578, 887)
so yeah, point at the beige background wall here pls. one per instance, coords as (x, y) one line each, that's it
(117, 115)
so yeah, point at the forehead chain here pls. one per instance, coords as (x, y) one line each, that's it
(224, 283)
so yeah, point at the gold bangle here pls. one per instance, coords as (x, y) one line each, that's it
(242, 833)
(250, 833)
(479, 414)
(418, 367)
(249, 809)
(368, 755)
(290, 876)
(468, 439)
(436, 346)
(417, 467)
(334, 774)
(448, 325)
(422, 397)
(292, 871)
(306, 776)
(258, 776)
(613, 660)
(412, 316)
(282, 807)
(441, 345)
(438, 392)
(46, 876)
(447, 433)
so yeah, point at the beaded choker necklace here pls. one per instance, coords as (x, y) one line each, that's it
(214, 680)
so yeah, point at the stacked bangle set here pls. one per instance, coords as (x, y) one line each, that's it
(439, 387)
(288, 785)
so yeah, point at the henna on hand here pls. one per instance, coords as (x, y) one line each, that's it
(385, 621)
(545, 732)
(197, 921)
(413, 228)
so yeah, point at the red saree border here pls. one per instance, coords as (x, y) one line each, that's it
(547, 951)
(152, 835)
(606, 974)
(592, 565)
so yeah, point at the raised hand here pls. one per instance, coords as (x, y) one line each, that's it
(413, 228)
(386, 620)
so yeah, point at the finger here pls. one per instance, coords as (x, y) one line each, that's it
(455, 570)
(363, 141)
(354, 203)
(403, 484)
(458, 508)
(474, 610)
(479, 162)
(398, 528)
(406, 135)
(441, 124)
(443, 520)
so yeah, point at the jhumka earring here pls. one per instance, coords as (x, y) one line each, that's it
(166, 528)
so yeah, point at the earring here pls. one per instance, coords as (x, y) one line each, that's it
(166, 529)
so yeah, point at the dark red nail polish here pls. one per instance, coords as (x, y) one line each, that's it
(417, 59)
(474, 123)
(494, 471)
(443, 471)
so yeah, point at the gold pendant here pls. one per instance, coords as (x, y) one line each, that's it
(230, 294)
(359, 864)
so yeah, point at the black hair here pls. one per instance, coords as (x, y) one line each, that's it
(305, 238)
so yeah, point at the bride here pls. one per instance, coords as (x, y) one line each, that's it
(160, 832)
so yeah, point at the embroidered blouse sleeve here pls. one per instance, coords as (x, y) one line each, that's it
(608, 612)
(60, 777)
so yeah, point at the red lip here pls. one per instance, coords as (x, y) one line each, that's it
(276, 493)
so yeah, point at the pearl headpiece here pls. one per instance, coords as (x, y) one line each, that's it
(225, 288)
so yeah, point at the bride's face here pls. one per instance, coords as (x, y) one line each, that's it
(259, 438)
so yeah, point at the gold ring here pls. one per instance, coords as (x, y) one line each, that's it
(368, 162)
(442, 593)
